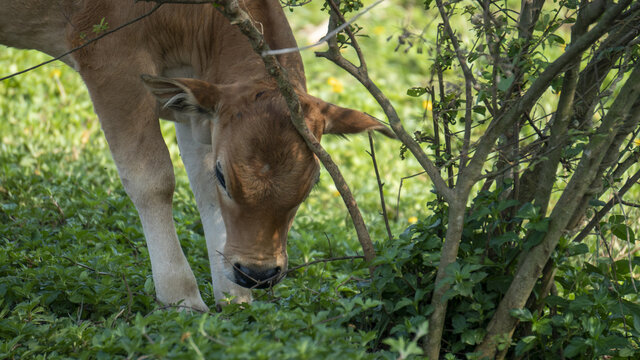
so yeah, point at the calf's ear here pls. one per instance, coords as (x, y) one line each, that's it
(184, 95)
(334, 119)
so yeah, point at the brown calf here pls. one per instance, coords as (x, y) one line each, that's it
(248, 167)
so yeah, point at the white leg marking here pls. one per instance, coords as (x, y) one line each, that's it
(172, 276)
(199, 162)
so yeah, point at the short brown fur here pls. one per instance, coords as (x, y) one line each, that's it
(248, 167)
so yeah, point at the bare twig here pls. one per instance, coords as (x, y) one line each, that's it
(117, 316)
(443, 113)
(325, 38)
(87, 267)
(607, 207)
(318, 261)
(129, 295)
(58, 208)
(400, 190)
(630, 204)
(380, 185)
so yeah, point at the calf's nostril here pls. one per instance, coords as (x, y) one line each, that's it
(268, 274)
(259, 279)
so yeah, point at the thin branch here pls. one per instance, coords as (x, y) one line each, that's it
(87, 267)
(340, 258)
(129, 295)
(630, 204)
(443, 114)
(325, 38)
(633, 180)
(380, 185)
(59, 209)
(456, 45)
(400, 189)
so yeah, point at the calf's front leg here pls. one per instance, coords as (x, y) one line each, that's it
(130, 122)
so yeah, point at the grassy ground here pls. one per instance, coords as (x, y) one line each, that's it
(75, 277)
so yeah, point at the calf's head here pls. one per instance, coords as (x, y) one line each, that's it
(261, 166)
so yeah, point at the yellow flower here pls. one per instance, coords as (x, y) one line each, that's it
(378, 30)
(55, 73)
(413, 220)
(85, 137)
(185, 336)
(636, 142)
(336, 85)
(427, 105)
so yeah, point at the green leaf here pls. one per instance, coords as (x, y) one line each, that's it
(504, 238)
(543, 327)
(533, 239)
(472, 336)
(416, 91)
(575, 347)
(540, 226)
(478, 109)
(8, 206)
(594, 326)
(525, 344)
(577, 249)
(636, 322)
(556, 38)
(504, 83)
(616, 219)
(580, 302)
(627, 352)
(521, 314)
(597, 202)
(148, 286)
(402, 303)
(527, 211)
(622, 267)
(623, 232)
(503, 205)
(459, 323)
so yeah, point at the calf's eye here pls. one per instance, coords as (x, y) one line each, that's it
(220, 176)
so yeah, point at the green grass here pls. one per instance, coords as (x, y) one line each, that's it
(74, 268)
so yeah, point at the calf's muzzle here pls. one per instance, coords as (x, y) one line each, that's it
(256, 278)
